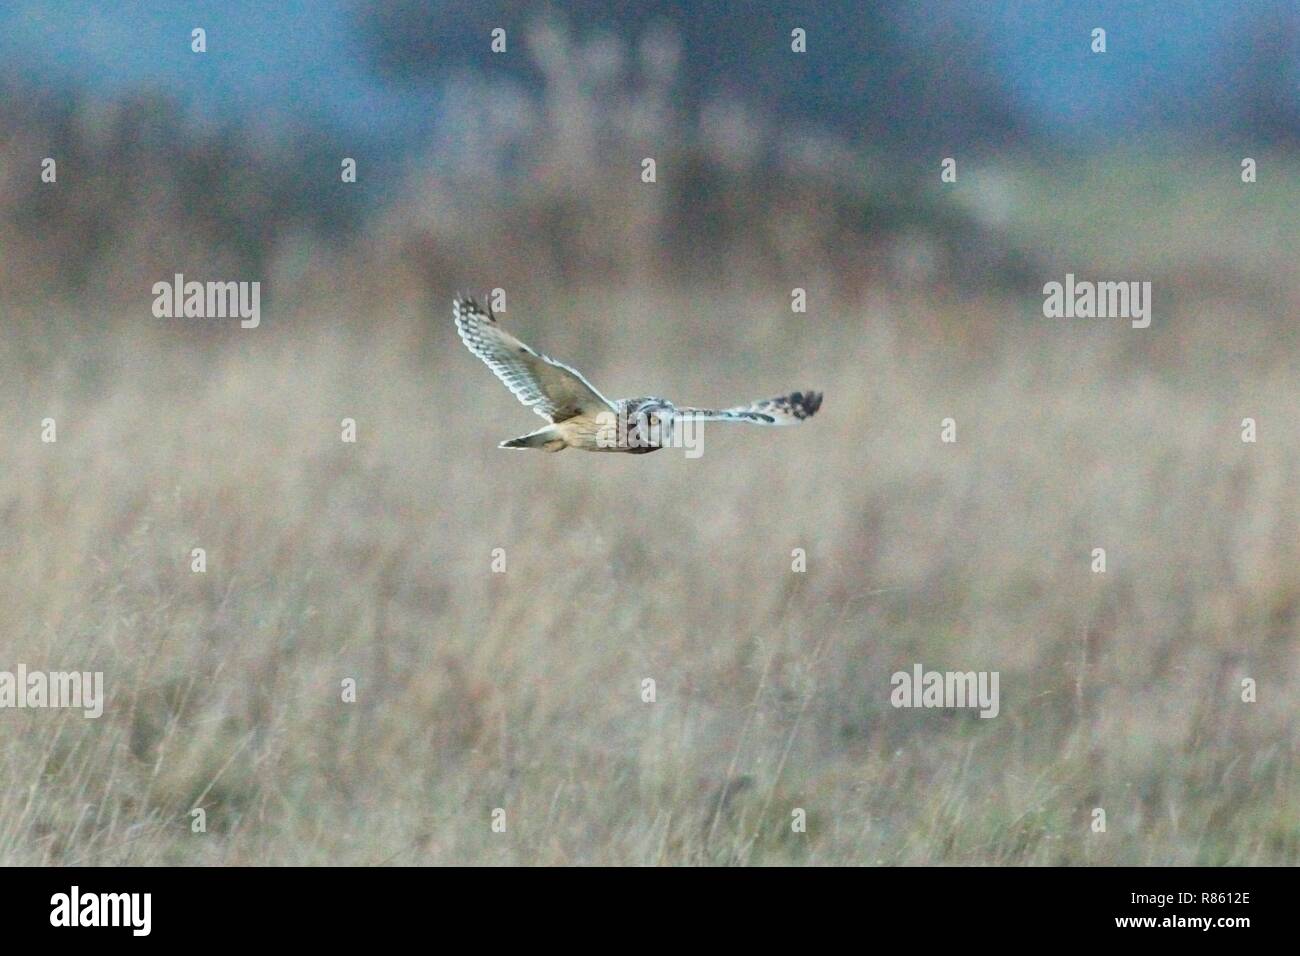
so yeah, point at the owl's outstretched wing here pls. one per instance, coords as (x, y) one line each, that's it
(550, 388)
(784, 410)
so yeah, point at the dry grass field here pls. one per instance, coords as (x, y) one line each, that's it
(522, 690)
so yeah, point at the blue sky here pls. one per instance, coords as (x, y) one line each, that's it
(302, 59)
(283, 58)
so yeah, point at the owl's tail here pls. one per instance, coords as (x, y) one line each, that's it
(547, 439)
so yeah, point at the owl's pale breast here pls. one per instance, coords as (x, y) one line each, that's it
(586, 433)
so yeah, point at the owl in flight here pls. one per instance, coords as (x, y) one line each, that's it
(581, 417)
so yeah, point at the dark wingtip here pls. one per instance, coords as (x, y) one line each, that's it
(462, 304)
(807, 402)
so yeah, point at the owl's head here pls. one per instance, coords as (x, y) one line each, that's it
(650, 422)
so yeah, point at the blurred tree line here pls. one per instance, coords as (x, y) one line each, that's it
(775, 158)
(864, 74)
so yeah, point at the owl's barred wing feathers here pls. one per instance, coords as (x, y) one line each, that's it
(550, 388)
(784, 410)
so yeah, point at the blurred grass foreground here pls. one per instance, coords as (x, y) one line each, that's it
(329, 561)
